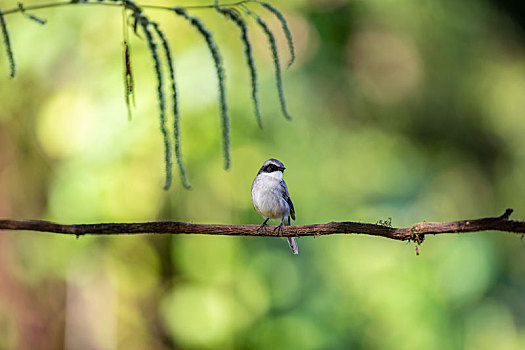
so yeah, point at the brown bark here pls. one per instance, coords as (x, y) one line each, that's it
(415, 232)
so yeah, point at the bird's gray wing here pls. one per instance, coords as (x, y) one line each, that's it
(287, 198)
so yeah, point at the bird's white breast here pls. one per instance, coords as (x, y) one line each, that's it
(267, 196)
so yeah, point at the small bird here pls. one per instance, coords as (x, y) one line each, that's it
(270, 197)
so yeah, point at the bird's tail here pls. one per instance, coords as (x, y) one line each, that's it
(292, 242)
(293, 245)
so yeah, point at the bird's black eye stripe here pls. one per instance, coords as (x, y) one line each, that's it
(270, 168)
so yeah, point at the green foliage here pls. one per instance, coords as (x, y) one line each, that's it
(386, 223)
(175, 104)
(162, 101)
(286, 30)
(276, 61)
(139, 19)
(214, 50)
(129, 82)
(248, 52)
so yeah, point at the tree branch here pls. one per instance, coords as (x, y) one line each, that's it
(415, 233)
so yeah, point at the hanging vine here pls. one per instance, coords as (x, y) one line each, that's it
(134, 16)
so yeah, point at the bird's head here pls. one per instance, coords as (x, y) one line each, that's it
(272, 167)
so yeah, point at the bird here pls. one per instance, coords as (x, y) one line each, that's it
(271, 199)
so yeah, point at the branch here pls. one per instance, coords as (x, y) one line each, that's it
(415, 233)
(99, 3)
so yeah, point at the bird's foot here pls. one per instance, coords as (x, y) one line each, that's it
(264, 224)
(262, 227)
(279, 229)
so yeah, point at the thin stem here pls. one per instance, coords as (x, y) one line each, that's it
(153, 7)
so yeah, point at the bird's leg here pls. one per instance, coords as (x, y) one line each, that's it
(264, 224)
(279, 228)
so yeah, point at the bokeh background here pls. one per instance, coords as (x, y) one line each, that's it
(409, 110)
